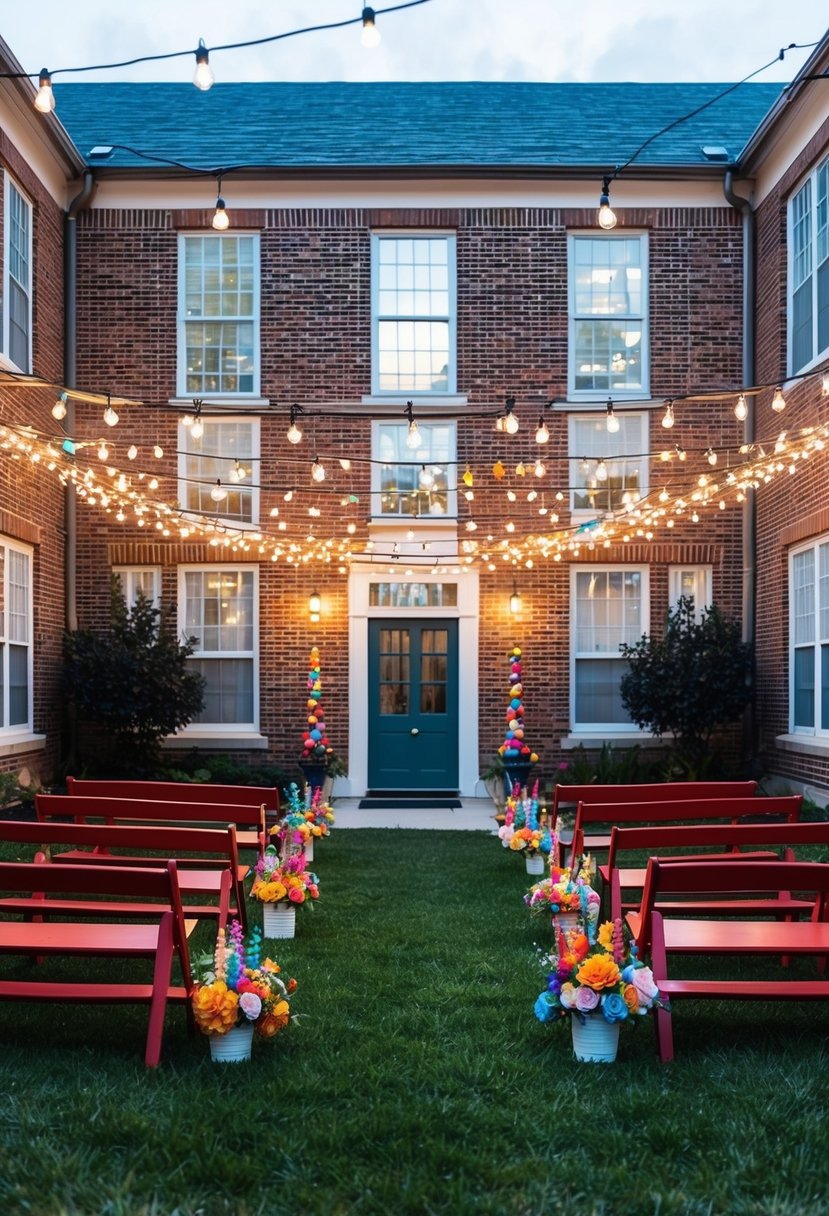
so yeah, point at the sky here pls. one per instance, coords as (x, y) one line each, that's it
(532, 40)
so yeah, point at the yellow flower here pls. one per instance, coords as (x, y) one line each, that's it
(274, 1021)
(598, 972)
(215, 1008)
(268, 892)
(606, 935)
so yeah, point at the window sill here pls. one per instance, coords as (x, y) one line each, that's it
(23, 742)
(243, 401)
(590, 405)
(431, 400)
(591, 740)
(806, 745)
(217, 741)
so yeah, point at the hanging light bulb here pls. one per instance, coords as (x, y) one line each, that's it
(510, 420)
(59, 408)
(605, 217)
(778, 401)
(539, 469)
(44, 98)
(414, 439)
(294, 433)
(824, 385)
(158, 451)
(542, 434)
(711, 456)
(103, 451)
(371, 35)
(679, 451)
(601, 471)
(203, 75)
(132, 452)
(426, 478)
(317, 471)
(668, 416)
(110, 416)
(218, 493)
(612, 422)
(220, 219)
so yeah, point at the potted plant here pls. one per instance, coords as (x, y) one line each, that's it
(599, 983)
(493, 779)
(238, 993)
(335, 767)
(282, 887)
(526, 829)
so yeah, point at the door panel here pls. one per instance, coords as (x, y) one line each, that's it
(413, 705)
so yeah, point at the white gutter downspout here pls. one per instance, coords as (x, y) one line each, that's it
(749, 599)
(70, 365)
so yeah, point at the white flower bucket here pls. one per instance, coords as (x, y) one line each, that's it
(535, 864)
(565, 922)
(278, 920)
(595, 1040)
(309, 849)
(233, 1047)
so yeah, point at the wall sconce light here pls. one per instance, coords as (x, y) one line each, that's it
(314, 606)
(515, 601)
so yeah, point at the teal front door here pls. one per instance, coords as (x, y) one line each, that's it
(413, 705)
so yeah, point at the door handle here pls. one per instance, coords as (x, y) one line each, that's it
(415, 731)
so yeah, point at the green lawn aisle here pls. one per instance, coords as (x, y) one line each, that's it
(416, 1080)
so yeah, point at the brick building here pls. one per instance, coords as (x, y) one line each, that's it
(449, 257)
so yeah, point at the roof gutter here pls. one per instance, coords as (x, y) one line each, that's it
(70, 360)
(749, 587)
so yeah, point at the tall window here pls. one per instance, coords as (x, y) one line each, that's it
(809, 270)
(17, 284)
(218, 339)
(418, 482)
(608, 315)
(809, 639)
(609, 606)
(608, 471)
(219, 469)
(15, 638)
(413, 322)
(220, 610)
(692, 582)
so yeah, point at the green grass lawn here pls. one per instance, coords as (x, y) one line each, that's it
(416, 1079)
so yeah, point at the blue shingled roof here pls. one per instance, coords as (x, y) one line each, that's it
(488, 124)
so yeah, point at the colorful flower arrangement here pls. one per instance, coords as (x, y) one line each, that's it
(526, 828)
(315, 745)
(567, 890)
(237, 986)
(318, 813)
(601, 974)
(515, 749)
(293, 831)
(276, 881)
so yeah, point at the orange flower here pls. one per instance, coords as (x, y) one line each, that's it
(598, 972)
(631, 998)
(215, 1008)
(273, 1022)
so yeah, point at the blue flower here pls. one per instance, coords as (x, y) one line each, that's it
(554, 985)
(614, 1007)
(546, 1008)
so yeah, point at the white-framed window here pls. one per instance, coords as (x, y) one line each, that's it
(218, 316)
(809, 639)
(219, 607)
(15, 638)
(609, 605)
(808, 309)
(219, 469)
(146, 579)
(417, 482)
(413, 305)
(608, 470)
(608, 306)
(17, 278)
(693, 582)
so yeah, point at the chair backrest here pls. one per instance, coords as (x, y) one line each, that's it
(84, 808)
(715, 835)
(167, 841)
(177, 791)
(675, 811)
(663, 791)
(726, 878)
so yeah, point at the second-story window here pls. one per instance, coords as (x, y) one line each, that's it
(413, 321)
(218, 339)
(219, 469)
(17, 285)
(608, 316)
(809, 270)
(413, 483)
(608, 471)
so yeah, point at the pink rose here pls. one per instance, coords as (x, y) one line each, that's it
(567, 996)
(586, 999)
(645, 986)
(296, 895)
(250, 1005)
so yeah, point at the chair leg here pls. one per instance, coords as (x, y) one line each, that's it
(162, 972)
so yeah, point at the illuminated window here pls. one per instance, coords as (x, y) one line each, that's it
(17, 279)
(608, 606)
(413, 307)
(808, 310)
(218, 608)
(218, 337)
(219, 469)
(608, 471)
(608, 340)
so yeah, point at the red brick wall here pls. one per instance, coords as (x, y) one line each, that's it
(512, 339)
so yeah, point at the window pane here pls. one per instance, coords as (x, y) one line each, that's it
(598, 699)
(18, 685)
(804, 687)
(228, 694)
(803, 597)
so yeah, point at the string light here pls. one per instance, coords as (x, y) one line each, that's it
(510, 422)
(612, 422)
(778, 401)
(203, 75)
(294, 434)
(426, 478)
(711, 456)
(110, 416)
(542, 435)
(601, 471)
(414, 439)
(317, 470)
(218, 493)
(44, 98)
(741, 408)
(668, 417)
(59, 408)
(197, 426)
(220, 221)
(370, 37)
(605, 216)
